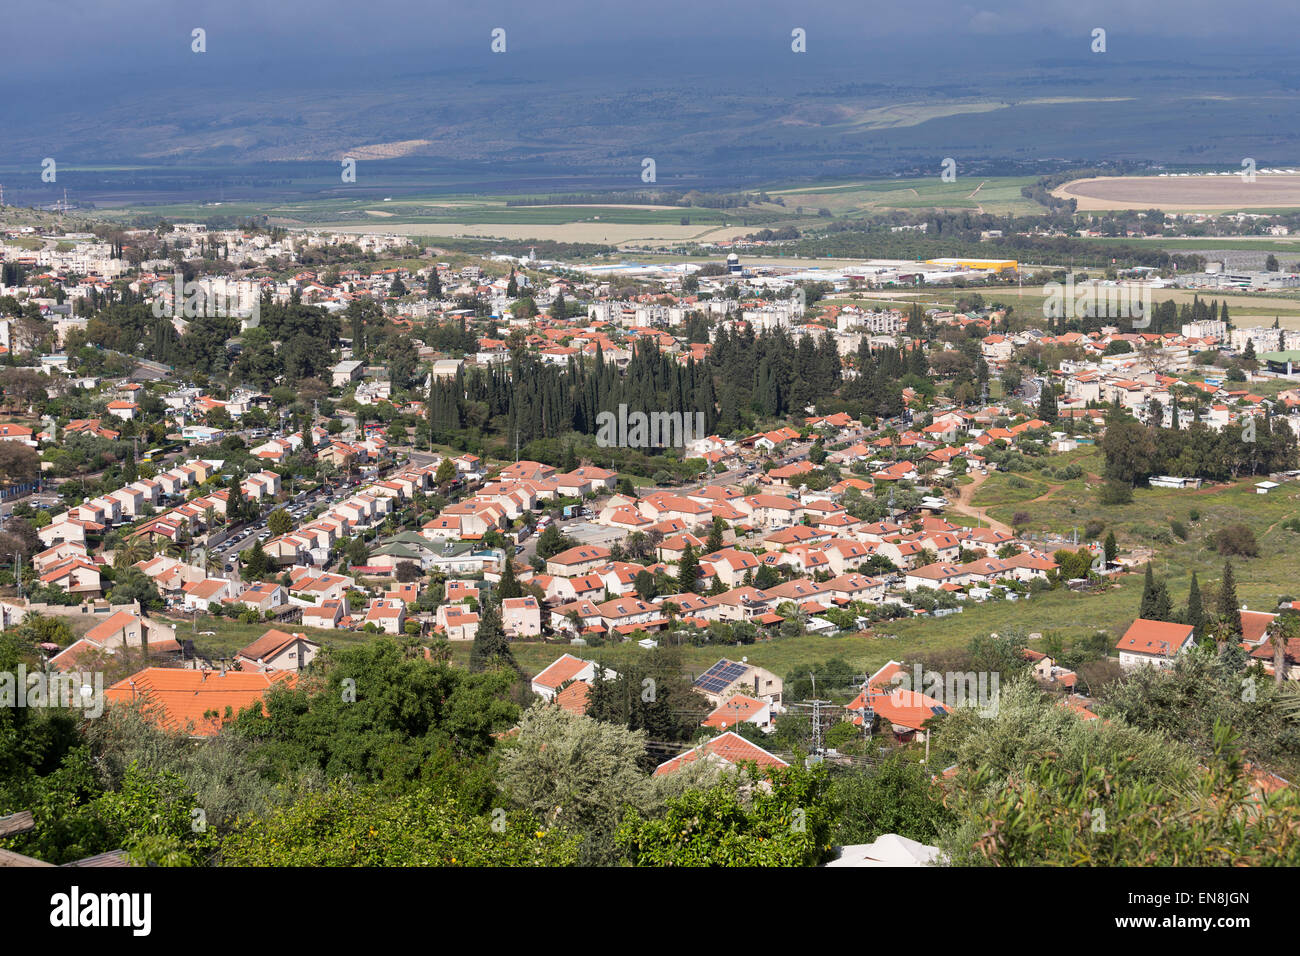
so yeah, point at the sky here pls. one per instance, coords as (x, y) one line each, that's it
(72, 69)
(153, 37)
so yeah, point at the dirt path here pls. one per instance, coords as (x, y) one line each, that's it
(1051, 490)
(963, 506)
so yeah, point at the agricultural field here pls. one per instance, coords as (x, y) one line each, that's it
(999, 195)
(1183, 193)
(1027, 302)
(499, 216)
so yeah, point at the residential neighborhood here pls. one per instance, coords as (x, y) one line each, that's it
(646, 437)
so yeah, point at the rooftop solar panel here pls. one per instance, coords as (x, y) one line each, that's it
(720, 676)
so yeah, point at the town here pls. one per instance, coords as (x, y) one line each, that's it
(798, 520)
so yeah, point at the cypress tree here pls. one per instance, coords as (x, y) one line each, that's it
(715, 537)
(1195, 612)
(1148, 593)
(509, 586)
(256, 564)
(1228, 609)
(490, 648)
(1156, 605)
(1047, 403)
(688, 569)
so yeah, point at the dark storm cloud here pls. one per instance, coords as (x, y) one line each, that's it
(92, 34)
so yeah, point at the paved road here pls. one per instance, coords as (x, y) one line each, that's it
(244, 538)
(739, 475)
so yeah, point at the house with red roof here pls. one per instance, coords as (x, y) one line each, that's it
(886, 698)
(278, 651)
(738, 709)
(899, 471)
(728, 750)
(730, 565)
(577, 560)
(18, 433)
(1153, 643)
(564, 670)
(197, 703)
(521, 617)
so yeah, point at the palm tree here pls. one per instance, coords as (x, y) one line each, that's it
(132, 551)
(1286, 628)
(1288, 702)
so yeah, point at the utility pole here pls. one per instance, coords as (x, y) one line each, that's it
(819, 744)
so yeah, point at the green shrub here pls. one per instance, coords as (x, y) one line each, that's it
(1115, 493)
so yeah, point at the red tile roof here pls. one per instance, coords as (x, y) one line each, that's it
(1159, 638)
(179, 699)
(730, 748)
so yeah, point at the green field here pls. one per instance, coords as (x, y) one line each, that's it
(232, 636)
(799, 206)
(1027, 301)
(1146, 523)
(999, 195)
